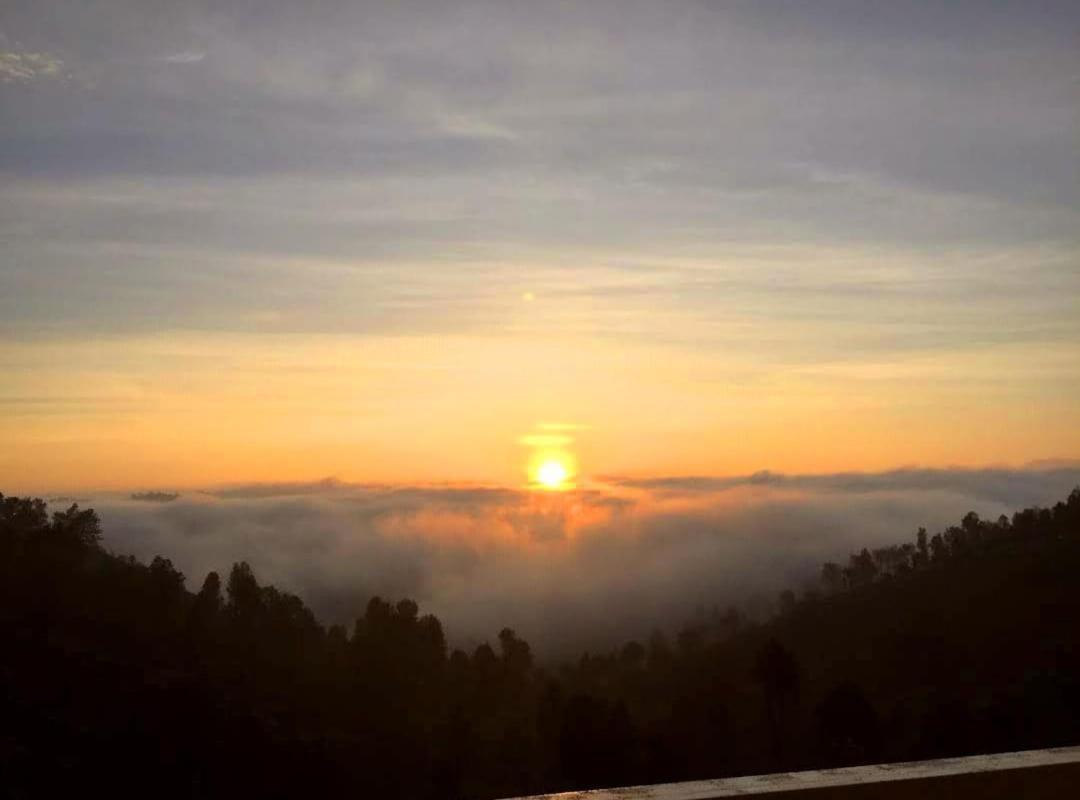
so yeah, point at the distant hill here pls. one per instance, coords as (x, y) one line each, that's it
(116, 676)
(155, 497)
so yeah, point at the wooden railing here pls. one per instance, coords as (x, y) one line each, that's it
(1002, 776)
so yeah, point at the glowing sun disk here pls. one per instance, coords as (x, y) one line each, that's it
(552, 474)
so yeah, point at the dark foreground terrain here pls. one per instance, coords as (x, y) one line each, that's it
(115, 678)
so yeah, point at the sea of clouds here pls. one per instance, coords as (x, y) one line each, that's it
(568, 570)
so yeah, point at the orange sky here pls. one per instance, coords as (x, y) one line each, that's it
(177, 410)
(386, 244)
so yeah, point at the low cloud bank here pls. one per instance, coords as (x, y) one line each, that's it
(568, 571)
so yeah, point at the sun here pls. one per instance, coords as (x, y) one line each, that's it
(552, 464)
(552, 474)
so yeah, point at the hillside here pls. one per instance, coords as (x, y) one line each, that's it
(117, 675)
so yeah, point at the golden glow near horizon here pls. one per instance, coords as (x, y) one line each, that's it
(552, 466)
(155, 412)
(552, 474)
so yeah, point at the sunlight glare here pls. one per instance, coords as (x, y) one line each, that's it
(552, 474)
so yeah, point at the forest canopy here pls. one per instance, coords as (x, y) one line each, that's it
(117, 674)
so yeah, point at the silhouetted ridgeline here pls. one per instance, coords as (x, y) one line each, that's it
(114, 676)
(155, 497)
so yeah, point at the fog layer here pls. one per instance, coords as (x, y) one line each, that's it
(566, 570)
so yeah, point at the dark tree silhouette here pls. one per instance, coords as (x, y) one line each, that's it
(848, 726)
(776, 670)
(115, 675)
